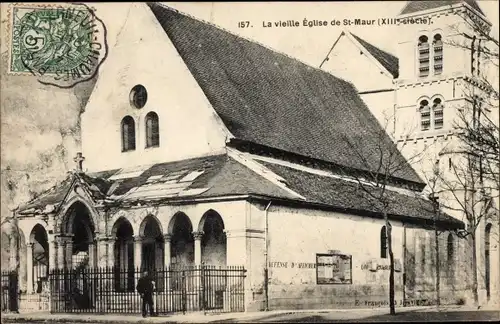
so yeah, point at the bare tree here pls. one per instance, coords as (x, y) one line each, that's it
(381, 166)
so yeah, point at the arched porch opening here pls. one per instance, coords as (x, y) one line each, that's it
(152, 244)
(81, 227)
(487, 261)
(123, 253)
(213, 242)
(182, 242)
(38, 259)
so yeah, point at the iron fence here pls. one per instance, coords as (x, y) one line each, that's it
(10, 291)
(178, 289)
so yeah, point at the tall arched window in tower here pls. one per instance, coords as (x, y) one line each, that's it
(425, 115)
(383, 243)
(128, 134)
(437, 110)
(152, 130)
(423, 56)
(437, 49)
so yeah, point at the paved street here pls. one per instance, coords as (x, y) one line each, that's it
(420, 314)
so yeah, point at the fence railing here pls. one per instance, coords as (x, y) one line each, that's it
(178, 289)
(10, 291)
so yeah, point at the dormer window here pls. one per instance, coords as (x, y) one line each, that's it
(437, 46)
(423, 56)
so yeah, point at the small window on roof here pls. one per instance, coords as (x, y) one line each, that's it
(192, 175)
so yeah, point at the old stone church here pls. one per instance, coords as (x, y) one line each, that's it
(212, 149)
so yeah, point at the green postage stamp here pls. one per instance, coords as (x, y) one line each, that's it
(60, 45)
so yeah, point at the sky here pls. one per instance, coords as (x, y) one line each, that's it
(309, 44)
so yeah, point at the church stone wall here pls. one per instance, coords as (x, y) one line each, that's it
(296, 235)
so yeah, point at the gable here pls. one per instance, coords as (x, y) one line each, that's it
(188, 125)
(352, 62)
(271, 99)
(387, 60)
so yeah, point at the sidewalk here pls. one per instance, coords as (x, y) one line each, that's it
(339, 314)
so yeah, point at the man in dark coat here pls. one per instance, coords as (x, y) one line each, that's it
(145, 287)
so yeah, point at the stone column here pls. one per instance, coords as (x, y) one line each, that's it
(102, 251)
(61, 249)
(29, 265)
(197, 247)
(166, 249)
(167, 259)
(111, 252)
(239, 248)
(137, 252)
(92, 254)
(69, 252)
(52, 252)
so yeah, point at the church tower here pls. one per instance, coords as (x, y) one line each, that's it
(441, 66)
(436, 71)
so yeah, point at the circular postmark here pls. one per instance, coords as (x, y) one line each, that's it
(61, 46)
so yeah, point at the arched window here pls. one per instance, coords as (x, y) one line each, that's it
(128, 134)
(425, 115)
(437, 46)
(383, 243)
(423, 56)
(152, 130)
(437, 109)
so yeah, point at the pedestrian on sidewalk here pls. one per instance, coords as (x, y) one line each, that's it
(145, 287)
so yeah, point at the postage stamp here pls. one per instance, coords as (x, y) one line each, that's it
(61, 45)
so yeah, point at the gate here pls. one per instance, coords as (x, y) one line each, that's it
(178, 290)
(10, 291)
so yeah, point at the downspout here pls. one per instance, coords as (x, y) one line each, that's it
(266, 263)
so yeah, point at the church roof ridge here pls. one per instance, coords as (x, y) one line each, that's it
(241, 36)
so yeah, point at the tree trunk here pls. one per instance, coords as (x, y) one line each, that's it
(438, 268)
(474, 270)
(391, 261)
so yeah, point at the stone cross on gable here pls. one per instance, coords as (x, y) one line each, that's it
(79, 162)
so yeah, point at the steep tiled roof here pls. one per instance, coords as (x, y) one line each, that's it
(415, 6)
(388, 61)
(223, 176)
(268, 98)
(50, 197)
(350, 196)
